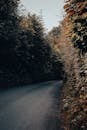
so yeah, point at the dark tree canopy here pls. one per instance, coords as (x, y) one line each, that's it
(25, 53)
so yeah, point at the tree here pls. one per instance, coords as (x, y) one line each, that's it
(8, 28)
(8, 37)
(32, 49)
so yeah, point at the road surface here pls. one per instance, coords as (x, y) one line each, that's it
(32, 107)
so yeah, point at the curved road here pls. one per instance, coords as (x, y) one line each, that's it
(33, 107)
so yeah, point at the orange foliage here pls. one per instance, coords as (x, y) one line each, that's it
(66, 6)
(24, 23)
(73, 29)
(70, 12)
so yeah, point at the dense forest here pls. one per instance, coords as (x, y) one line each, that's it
(25, 53)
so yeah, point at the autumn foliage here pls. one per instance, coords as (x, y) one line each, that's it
(72, 46)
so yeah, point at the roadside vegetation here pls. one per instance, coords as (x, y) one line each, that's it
(71, 45)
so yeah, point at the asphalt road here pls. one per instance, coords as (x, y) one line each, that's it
(33, 107)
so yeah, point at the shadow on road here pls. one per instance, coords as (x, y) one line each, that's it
(53, 118)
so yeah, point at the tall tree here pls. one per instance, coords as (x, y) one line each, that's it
(8, 28)
(8, 37)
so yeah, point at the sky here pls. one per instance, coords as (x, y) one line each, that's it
(50, 10)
